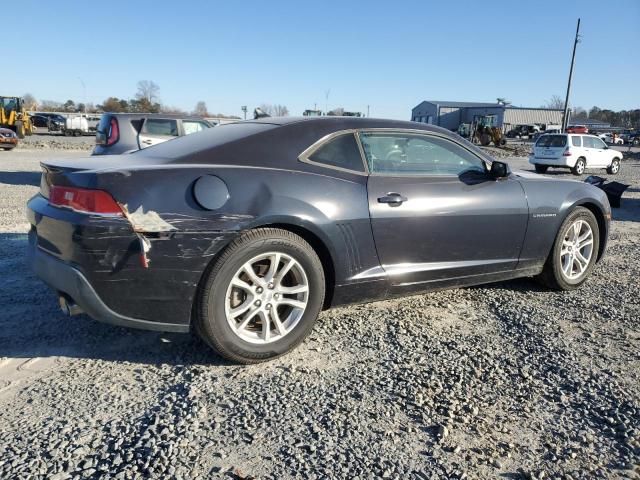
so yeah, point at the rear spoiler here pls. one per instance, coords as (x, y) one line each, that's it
(614, 190)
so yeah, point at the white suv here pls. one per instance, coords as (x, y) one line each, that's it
(574, 151)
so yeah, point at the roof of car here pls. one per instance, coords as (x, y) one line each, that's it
(347, 122)
(155, 115)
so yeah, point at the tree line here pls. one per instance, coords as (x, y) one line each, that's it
(622, 118)
(145, 100)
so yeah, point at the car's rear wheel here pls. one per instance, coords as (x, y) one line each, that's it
(541, 168)
(579, 167)
(636, 142)
(262, 296)
(614, 168)
(574, 251)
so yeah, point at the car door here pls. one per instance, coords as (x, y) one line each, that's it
(602, 150)
(436, 214)
(157, 130)
(594, 151)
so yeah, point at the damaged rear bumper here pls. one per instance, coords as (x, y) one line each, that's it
(71, 283)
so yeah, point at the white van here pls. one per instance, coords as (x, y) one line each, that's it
(577, 152)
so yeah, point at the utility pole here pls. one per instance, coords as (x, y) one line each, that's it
(84, 93)
(367, 111)
(244, 110)
(326, 100)
(565, 117)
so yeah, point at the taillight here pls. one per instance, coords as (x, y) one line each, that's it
(114, 131)
(84, 200)
(567, 152)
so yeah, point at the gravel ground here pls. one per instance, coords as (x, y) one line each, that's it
(57, 141)
(504, 381)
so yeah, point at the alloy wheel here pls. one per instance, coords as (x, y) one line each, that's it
(577, 250)
(267, 298)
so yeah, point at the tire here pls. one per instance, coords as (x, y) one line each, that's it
(614, 168)
(255, 343)
(579, 167)
(541, 168)
(20, 129)
(553, 274)
(68, 133)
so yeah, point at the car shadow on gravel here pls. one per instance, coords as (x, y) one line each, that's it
(33, 326)
(20, 178)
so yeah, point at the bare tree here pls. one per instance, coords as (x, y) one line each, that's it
(148, 90)
(201, 109)
(556, 103)
(275, 110)
(30, 101)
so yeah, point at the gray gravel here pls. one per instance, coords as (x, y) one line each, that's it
(508, 380)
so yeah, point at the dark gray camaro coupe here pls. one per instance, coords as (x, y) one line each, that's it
(245, 232)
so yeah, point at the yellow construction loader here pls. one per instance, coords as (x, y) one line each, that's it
(14, 116)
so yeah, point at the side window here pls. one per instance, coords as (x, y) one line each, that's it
(191, 126)
(160, 126)
(413, 154)
(341, 152)
(575, 141)
(598, 143)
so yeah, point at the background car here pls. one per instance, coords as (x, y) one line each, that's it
(634, 139)
(128, 132)
(8, 139)
(244, 232)
(56, 122)
(609, 138)
(577, 129)
(576, 152)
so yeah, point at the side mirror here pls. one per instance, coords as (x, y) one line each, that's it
(499, 169)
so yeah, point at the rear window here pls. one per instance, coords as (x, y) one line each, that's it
(210, 138)
(552, 141)
(575, 141)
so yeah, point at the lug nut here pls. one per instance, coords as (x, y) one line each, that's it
(270, 286)
(276, 295)
(258, 303)
(259, 290)
(268, 306)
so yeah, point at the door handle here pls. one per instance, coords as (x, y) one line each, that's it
(393, 199)
(148, 142)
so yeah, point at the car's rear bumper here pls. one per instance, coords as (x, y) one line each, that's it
(97, 263)
(554, 162)
(73, 285)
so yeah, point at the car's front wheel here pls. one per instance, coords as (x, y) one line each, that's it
(579, 167)
(541, 168)
(574, 251)
(614, 168)
(262, 296)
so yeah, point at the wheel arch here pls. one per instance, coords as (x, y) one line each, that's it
(318, 245)
(602, 224)
(321, 250)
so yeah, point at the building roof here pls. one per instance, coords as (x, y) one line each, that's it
(443, 103)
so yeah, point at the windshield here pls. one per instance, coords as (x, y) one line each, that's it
(552, 141)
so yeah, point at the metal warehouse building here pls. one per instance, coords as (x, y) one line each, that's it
(451, 114)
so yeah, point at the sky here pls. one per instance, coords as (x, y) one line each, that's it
(385, 55)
